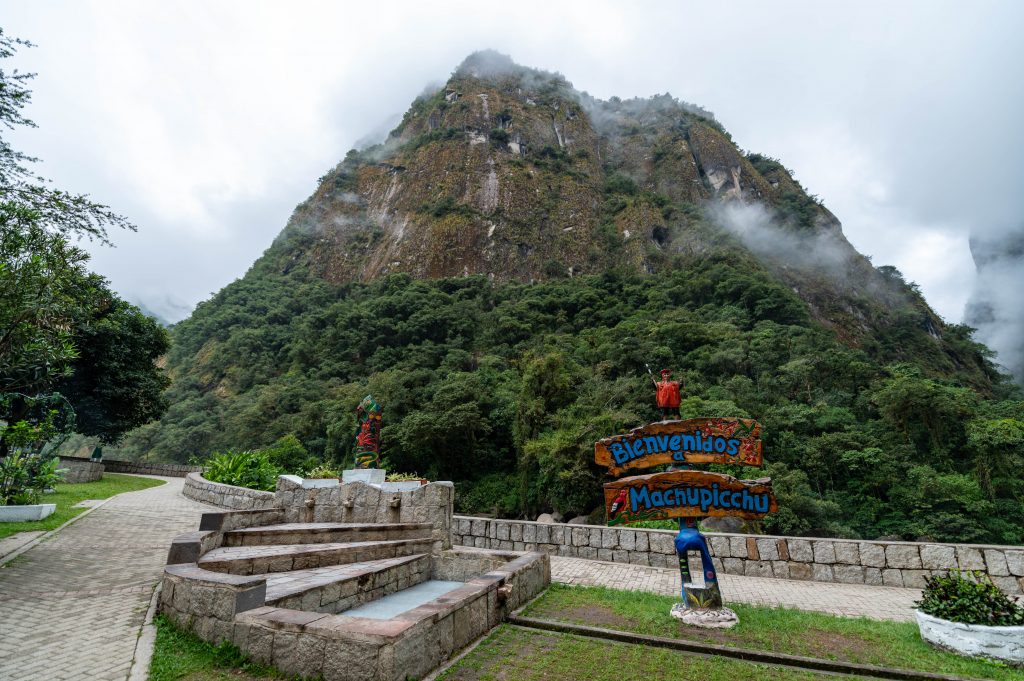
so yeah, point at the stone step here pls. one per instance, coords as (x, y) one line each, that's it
(258, 560)
(337, 588)
(322, 533)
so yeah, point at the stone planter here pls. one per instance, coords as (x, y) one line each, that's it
(403, 485)
(21, 514)
(1005, 644)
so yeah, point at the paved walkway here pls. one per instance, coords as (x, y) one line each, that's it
(855, 600)
(72, 607)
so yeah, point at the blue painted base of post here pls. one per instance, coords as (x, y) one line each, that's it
(702, 602)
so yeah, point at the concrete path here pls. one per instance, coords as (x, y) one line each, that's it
(73, 606)
(854, 600)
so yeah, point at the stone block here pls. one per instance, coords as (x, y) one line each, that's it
(350, 659)
(627, 540)
(737, 547)
(595, 538)
(502, 531)
(588, 552)
(848, 574)
(873, 576)
(969, 558)
(620, 556)
(1007, 584)
(768, 549)
(604, 554)
(872, 555)
(639, 558)
(903, 556)
(260, 644)
(822, 573)
(780, 569)
(800, 571)
(752, 553)
(892, 577)
(824, 552)
(309, 656)
(662, 543)
(914, 579)
(847, 553)
(1015, 563)
(758, 568)
(530, 534)
(543, 534)
(515, 532)
(719, 547)
(609, 538)
(938, 557)
(732, 566)
(581, 537)
(800, 551)
(995, 560)
(783, 548)
(642, 541)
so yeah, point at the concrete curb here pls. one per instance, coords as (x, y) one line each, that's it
(748, 655)
(146, 642)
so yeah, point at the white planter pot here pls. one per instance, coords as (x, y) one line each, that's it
(1000, 643)
(21, 514)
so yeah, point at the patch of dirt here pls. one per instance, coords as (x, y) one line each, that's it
(594, 616)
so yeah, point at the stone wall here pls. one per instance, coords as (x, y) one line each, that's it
(80, 470)
(169, 470)
(357, 502)
(823, 560)
(226, 496)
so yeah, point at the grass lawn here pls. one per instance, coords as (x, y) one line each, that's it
(782, 630)
(181, 655)
(515, 654)
(66, 496)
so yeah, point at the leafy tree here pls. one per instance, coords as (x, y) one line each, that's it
(60, 211)
(67, 342)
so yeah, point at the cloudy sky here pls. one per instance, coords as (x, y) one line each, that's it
(207, 122)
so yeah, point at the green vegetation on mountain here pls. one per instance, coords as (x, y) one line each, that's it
(498, 272)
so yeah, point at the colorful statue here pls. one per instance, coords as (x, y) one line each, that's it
(667, 395)
(368, 438)
(708, 597)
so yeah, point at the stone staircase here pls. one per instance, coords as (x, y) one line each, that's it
(324, 555)
(280, 582)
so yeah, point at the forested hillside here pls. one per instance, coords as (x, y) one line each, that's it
(498, 273)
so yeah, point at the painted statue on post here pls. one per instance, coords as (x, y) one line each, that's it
(686, 494)
(367, 449)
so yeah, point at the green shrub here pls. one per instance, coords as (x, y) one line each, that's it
(977, 600)
(24, 477)
(324, 470)
(404, 477)
(252, 469)
(288, 454)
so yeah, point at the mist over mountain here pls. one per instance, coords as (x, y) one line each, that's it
(499, 270)
(995, 307)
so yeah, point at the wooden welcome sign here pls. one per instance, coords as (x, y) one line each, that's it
(703, 440)
(686, 494)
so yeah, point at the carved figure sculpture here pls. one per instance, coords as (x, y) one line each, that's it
(368, 438)
(708, 597)
(668, 395)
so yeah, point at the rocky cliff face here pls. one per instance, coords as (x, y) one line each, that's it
(511, 173)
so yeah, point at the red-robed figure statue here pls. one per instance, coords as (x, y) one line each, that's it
(667, 395)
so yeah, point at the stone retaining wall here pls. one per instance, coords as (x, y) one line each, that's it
(226, 496)
(80, 470)
(170, 470)
(823, 560)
